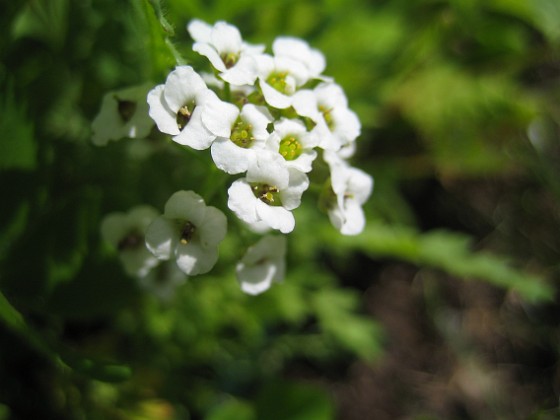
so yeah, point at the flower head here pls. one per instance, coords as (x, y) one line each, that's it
(268, 193)
(163, 280)
(189, 231)
(280, 78)
(188, 110)
(349, 189)
(123, 113)
(237, 152)
(125, 232)
(262, 264)
(223, 46)
(299, 50)
(327, 106)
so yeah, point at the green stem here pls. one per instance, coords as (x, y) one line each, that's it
(227, 92)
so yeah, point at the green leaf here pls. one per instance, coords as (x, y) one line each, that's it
(44, 20)
(450, 252)
(10, 315)
(447, 251)
(283, 400)
(336, 310)
(232, 409)
(18, 149)
(96, 369)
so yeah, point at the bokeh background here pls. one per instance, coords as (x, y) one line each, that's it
(445, 307)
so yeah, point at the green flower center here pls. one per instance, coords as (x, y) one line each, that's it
(242, 134)
(229, 59)
(290, 147)
(131, 241)
(187, 232)
(268, 194)
(327, 116)
(278, 81)
(184, 114)
(126, 109)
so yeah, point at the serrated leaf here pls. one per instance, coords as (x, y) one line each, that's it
(448, 251)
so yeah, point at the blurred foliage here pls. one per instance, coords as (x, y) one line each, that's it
(451, 94)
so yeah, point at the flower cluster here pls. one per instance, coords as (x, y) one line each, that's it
(268, 119)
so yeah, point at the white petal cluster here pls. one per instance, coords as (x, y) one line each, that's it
(125, 233)
(262, 264)
(163, 280)
(235, 153)
(223, 46)
(269, 118)
(265, 197)
(123, 114)
(188, 232)
(351, 187)
(188, 110)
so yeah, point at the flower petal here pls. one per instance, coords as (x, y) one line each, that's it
(231, 158)
(185, 205)
(161, 238)
(163, 116)
(218, 116)
(213, 228)
(193, 259)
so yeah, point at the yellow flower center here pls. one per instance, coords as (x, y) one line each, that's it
(229, 59)
(290, 147)
(242, 134)
(278, 81)
(184, 115)
(268, 194)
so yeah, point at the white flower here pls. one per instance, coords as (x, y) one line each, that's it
(125, 232)
(279, 78)
(223, 46)
(299, 50)
(188, 110)
(262, 264)
(337, 125)
(268, 193)
(350, 188)
(123, 113)
(294, 143)
(163, 280)
(234, 154)
(189, 232)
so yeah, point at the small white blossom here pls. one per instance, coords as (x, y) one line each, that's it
(189, 231)
(337, 125)
(268, 193)
(351, 187)
(299, 50)
(279, 79)
(237, 152)
(262, 264)
(163, 280)
(123, 113)
(295, 144)
(188, 110)
(223, 46)
(125, 232)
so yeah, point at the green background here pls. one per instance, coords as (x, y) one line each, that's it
(459, 104)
